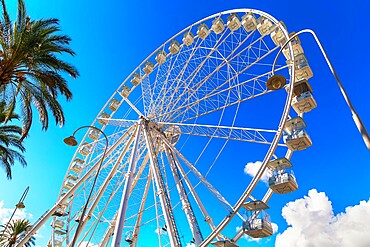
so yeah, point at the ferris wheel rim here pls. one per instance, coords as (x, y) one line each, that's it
(288, 99)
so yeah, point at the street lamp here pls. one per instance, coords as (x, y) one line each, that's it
(71, 141)
(276, 80)
(19, 205)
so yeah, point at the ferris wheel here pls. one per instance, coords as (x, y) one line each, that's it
(163, 163)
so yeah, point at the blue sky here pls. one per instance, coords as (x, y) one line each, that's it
(112, 39)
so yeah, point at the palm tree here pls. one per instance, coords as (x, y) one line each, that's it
(15, 231)
(10, 137)
(31, 73)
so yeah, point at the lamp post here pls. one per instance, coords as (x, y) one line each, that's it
(71, 141)
(277, 80)
(19, 205)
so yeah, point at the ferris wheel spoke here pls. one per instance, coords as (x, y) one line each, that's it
(213, 73)
(161, 188)
(179, 80)
(201, 178)
(213, 94)
(253, 135)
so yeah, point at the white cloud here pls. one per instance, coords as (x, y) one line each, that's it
(252, 168)
(313, 223)
(5, 214)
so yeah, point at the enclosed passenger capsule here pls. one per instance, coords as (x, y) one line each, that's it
(233, 22)
(125, 92)
(277, 35)
(136, 79)
(296, 45)
(303, 100)
(85, 149)
(264, 26)
(103, 118)
(203, 31)
(114, 104)
(249, 22)
(257, 224)
(302, 69)
(94, 134)
(188, 38)
(148, 68)
(77, 165)
(161, 57)
(218, 25)
(174, 47)
(282, 181)
(58, 224)
(295, 135)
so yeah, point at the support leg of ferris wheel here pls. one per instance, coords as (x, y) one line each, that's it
(136, 231)
(356, 118)
(172, 230)
(186, 206)
(117, 237)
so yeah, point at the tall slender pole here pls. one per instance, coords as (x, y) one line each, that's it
(117, 237)
(71, 138)
(356, 118)
(186, 206)
(19, 205)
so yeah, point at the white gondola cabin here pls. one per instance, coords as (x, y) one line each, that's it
(264, 26)
(93, 134)
(203, 31)
(68, 184)
(114, 104)
(224, 243)
(103, 118)
(257, 224)
(303, 100)
(296, 45)
(77, 165)
(281, 181)
(136, 79)
(125, 92)
(148, 68)
(59, 224)
(277, 35)
(174, 47)
(85, 149)
(233, 22)
(161, 57)
(218, 25)
(295, 135)
(188, 38)
(302, 69)
(249, 22)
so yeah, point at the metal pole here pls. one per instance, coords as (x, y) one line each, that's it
(78, 229)
(117, 237)
(186, 206)
(356, 118)
(18, 205)
(173, 233)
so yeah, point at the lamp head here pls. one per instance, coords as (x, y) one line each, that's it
(70, 141)
(276, 82)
